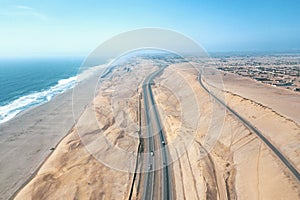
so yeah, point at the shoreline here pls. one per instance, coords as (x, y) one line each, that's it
(39, 166)
(27, 139)
(21, 113)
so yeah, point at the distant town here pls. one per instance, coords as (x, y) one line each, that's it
(277, 70)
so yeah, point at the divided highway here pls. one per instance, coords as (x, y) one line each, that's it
(158, 180)
(256, 131)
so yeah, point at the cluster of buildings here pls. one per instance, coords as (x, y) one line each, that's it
(279, 71)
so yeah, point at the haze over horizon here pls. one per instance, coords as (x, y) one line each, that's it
(50, 28)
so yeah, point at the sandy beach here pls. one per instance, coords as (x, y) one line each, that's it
(28, 138)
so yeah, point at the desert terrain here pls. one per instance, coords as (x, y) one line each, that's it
(212, 154)
(31, 136)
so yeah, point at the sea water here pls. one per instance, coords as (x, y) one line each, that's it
(25, 83)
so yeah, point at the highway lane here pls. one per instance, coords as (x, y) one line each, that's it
(166, 176)
(285, 161)
(150, 176)
(158, 182)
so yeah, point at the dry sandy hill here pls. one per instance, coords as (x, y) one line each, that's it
(214, 155)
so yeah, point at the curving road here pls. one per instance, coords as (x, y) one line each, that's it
(256, 131)
(158, 181)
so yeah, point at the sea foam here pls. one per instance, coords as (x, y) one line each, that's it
(13, 108)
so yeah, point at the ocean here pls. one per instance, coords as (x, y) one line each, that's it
(25, 83)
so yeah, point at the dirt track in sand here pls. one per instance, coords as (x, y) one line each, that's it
(238, 165)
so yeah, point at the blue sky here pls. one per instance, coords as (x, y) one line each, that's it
(56, 27)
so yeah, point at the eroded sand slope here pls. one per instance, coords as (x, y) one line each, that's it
(83, 165)
(239, 165)
(224, 160)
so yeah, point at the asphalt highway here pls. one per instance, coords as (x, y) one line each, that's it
(158, 179)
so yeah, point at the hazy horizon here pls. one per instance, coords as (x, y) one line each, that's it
(54, 28)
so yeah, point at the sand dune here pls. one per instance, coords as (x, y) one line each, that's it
(214, 155)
